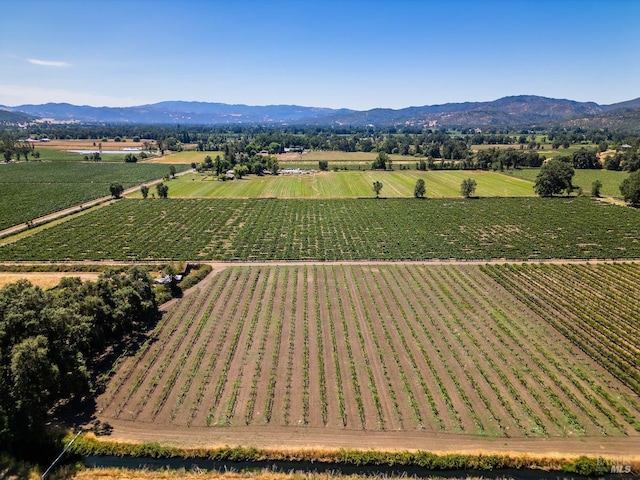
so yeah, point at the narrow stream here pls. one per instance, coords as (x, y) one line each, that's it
(335, 468)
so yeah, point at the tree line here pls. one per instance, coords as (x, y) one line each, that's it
(50, 340)
(437, 143)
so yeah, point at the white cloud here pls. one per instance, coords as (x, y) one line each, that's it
(12, 95)
(48, 63)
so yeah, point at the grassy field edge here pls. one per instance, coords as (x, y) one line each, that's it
(88, 444)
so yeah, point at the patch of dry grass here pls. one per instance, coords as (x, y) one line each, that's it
(44, 280)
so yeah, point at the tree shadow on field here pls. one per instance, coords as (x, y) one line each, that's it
(81, 412)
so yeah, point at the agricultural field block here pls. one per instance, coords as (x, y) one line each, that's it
(33, 189)
(67, 150)
(546, 149)
(366, 229)
(351, 184)
(390, 347)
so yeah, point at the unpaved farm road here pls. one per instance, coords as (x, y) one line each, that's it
(78, 208)
(217, 266)
(305, 437)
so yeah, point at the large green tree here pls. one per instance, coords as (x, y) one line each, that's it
(162, 190)
(34, 378)
(468, 187)
(7, 146)
(377, 187)
(116, 189)
(584, 158)
(380, 162)
(630, 188)
(419, 190)
(554, 178)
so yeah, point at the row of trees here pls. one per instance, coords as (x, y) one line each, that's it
(241, 165)
(554, 178)
(467, 188)
(162, 189)
(11, 147)
(50, 339)
(241, 145)
(406, 139)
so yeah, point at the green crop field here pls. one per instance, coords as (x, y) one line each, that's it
(545, 150)
(610, 179)
(597, 312)
(562, 152)
(50, 155)
(348, 185)
(339, 160)
(395, 229)
(33, 189)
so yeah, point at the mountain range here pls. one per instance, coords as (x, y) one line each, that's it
(521, 110)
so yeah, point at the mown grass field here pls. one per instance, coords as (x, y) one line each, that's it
(33, 189)
(610, 179)
(352, 184)
(395, 229)
(186, 157)
(452, 349)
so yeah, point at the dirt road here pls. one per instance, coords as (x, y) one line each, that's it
(305, 437)
(76, 209)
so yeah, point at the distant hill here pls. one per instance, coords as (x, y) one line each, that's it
(506, 111)
(512, 111)
(175, 112)
(13, 118)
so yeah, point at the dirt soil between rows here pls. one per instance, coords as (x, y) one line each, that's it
(304, 437)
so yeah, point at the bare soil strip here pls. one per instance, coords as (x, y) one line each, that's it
(308, 437)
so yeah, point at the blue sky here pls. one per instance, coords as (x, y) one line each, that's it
(352, 54)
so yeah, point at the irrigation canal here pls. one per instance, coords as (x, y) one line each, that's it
(194, 464)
